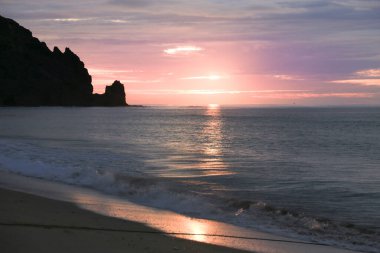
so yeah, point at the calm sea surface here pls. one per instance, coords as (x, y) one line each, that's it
(304, 172)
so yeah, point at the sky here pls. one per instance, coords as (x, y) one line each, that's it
(228, 52)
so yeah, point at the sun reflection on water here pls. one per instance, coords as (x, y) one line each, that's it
(212, 132)
(212, 135)
(194, 149)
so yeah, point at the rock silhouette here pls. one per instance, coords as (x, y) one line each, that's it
(32, 75)
(113, 96)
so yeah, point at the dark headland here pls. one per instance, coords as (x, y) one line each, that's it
(33, 75)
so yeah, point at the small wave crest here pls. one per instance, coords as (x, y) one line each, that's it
(320, 229)
(186, 198)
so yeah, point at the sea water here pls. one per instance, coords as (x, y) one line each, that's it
(308, 173)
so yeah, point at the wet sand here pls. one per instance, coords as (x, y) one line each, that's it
(30, 223)
(44, 216)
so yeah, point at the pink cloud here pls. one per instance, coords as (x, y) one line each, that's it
(306, 95)
(287, 77)
(369, 73)
(206, 77)
(182, 50)
(365, 82)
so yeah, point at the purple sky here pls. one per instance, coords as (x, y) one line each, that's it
(314, 52)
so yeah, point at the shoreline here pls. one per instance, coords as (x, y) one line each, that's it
(26, 225)
(39, 204)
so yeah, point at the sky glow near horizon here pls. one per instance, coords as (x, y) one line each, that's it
(197, 52)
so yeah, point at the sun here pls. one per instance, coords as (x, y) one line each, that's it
(213, 106)
(214, 77)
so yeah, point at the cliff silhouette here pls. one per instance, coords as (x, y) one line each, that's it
(33, 75)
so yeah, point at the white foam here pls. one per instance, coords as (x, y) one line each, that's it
(30, 160)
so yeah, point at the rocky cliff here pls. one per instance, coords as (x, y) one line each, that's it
(32, 75)
(113, 96)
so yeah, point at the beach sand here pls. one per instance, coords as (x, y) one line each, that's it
(44, 216)
(21, 208)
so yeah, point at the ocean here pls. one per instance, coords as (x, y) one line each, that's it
(307, 173)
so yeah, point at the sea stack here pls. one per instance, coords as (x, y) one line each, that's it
(33, 75)
(113, 96)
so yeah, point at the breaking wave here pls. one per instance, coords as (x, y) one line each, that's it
(183, 196)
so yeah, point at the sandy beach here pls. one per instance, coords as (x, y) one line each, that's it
(190, 126)
(34, 224)
(43, 216)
